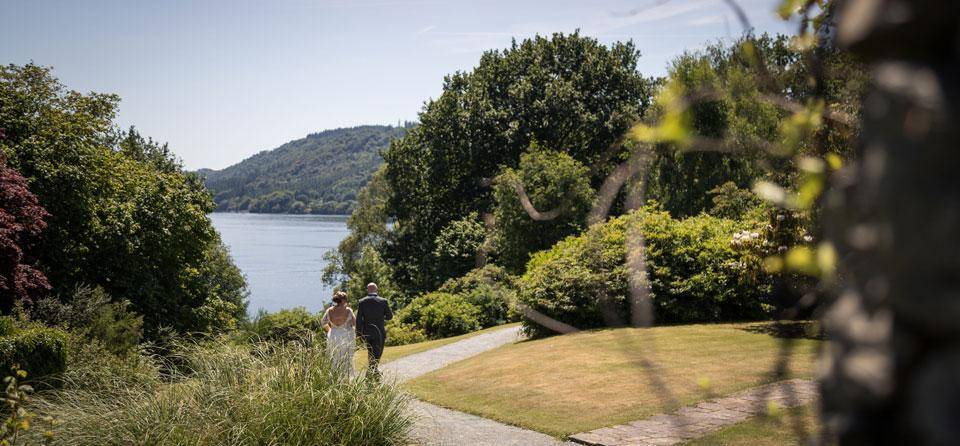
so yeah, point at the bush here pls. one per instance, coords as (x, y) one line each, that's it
(91, 314)
(441, 315)
(490, 288)
(284, 325)
(695, 274)
(40, 351)
(399, 333)
(222, 393)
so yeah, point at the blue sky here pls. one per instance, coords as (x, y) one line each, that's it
(223, 79)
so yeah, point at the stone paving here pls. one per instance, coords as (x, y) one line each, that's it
(692, 422)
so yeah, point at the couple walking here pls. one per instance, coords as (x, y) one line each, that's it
(344, 327)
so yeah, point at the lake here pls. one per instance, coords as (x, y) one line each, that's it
(282, 256)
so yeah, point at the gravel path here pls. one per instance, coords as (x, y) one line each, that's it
(437, 426)
(695, 421)
(412, 366)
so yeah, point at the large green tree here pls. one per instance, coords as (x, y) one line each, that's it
(567, 92)
(733, 97)
(552, 182)
(124, 215)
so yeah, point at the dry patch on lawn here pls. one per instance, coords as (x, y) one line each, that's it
(579, 382)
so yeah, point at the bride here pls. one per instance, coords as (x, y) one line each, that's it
(340, 324)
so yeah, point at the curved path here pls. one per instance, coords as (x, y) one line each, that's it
(438, 426)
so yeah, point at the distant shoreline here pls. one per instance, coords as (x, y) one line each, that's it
(278, 213)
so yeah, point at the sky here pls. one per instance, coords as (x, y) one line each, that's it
(221, 80)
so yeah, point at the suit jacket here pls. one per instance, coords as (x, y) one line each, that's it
(372, 313)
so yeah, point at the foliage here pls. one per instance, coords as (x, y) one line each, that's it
(15, 397)
(567, 92)
(91, 314)
(318, 174)
(399, 333)
(42, 351)
(459, 244)
(21, 221)
(489, 288)
(695, 274)
(220, 393)
(717, 122)
(368, 227)
(285, 325)
(552, 180)
(730, 201)
(124, 216)
(371, 268)
(441, 315)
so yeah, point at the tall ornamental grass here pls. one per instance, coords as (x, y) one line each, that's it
(227, 394)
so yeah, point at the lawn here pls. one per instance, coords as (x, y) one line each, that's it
(397, 352)
(579, 382)
(766, 431)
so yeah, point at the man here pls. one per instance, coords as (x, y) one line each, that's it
(372, 313)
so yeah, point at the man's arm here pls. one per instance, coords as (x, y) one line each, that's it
(360, 320)
(388, 313)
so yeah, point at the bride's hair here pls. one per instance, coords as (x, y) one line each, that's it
(339, 296)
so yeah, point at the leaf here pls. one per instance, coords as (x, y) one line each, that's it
(802, 259)
(770, 192)
(834, 161)
(788, 7)
(827, 259)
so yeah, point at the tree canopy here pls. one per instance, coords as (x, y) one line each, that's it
(566, 92)
(123, 214)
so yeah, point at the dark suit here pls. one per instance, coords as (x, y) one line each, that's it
(372, 313)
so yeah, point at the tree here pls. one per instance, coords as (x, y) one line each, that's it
(124, 216)
(553, 182)
(726, 91)
(368, 227)
(21, 221)
(370, 267)
(893, 360)
(567, 92)
(459, 245)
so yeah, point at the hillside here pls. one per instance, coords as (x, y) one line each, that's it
(318, 174)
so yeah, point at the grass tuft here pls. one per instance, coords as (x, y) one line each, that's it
(220, 393)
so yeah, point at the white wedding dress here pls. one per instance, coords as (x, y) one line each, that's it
(341, 342)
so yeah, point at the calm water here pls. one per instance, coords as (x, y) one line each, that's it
(282, 256)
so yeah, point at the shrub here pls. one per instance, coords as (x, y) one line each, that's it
(235, 394)
(91, 314)
(399, 333)
(695, 274)
(449, 315)
(441, 315)
(490, 288)
(38, 350)
(285, 325)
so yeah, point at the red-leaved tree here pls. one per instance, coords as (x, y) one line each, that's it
(21, 220)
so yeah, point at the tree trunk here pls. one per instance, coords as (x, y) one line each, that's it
(892, 368)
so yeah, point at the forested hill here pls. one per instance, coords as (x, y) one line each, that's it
(318, 174)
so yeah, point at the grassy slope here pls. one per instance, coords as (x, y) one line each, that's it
(765, 431)
(574, 383)
(392, 353)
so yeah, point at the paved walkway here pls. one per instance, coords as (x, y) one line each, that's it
(412, 366)
(437, 426)
(695, 421)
